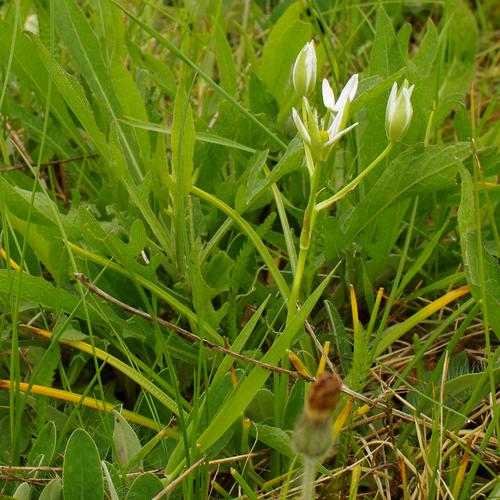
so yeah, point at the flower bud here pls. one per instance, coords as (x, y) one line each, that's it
(304, 70)
(399, 112)
(312, 437)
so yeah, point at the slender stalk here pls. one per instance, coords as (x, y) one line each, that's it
(308, 486)
(305, 235)
(349, 187)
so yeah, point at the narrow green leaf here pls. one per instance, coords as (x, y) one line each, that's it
(225, 61)
(43, 293)
(182, 141)
(246, 390)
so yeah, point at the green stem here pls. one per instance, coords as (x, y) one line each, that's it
(308, 486)
(305, 236)
(349, 187)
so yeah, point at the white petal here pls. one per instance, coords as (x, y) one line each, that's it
(310, 61)
(348, 93)
(392, 102)
(328, 96)
(337, 136)
(336, 124)
(408, 106)
(301, 127)
(353, 83)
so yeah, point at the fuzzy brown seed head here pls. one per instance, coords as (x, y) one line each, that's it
(323, 397)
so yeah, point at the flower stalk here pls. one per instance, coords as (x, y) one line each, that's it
(354, 183)
(312, 437)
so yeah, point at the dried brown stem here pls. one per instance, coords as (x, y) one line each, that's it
(185, 333)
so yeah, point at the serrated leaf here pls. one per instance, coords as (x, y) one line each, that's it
(44, 447)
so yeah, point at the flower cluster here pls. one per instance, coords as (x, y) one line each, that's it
(320, 134)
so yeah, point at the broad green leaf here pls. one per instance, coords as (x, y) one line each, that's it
(32, 72)
(386, 53)
(285, 41)
(261, 408)
(75, 98)
(23, 492)
(82, 474)
(76, 33)
(84, 47)
(53, 490)
(145, 486)
(417, 171)
(274, 437)
(481, 269)
(126, 443)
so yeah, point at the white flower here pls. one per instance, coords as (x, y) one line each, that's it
(304, 70)
(399, 112)
(320, 135)
(346, 96)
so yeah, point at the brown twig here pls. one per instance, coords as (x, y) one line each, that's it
(172, 485)
(185, 333)
(422, 419)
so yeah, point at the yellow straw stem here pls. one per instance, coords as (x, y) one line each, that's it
(134, 375)
(395, 332)
(13, 264)
(322, 361)
(297, 363)
(354, 306)
(459, 479)
(340, 421)
(89, 402)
